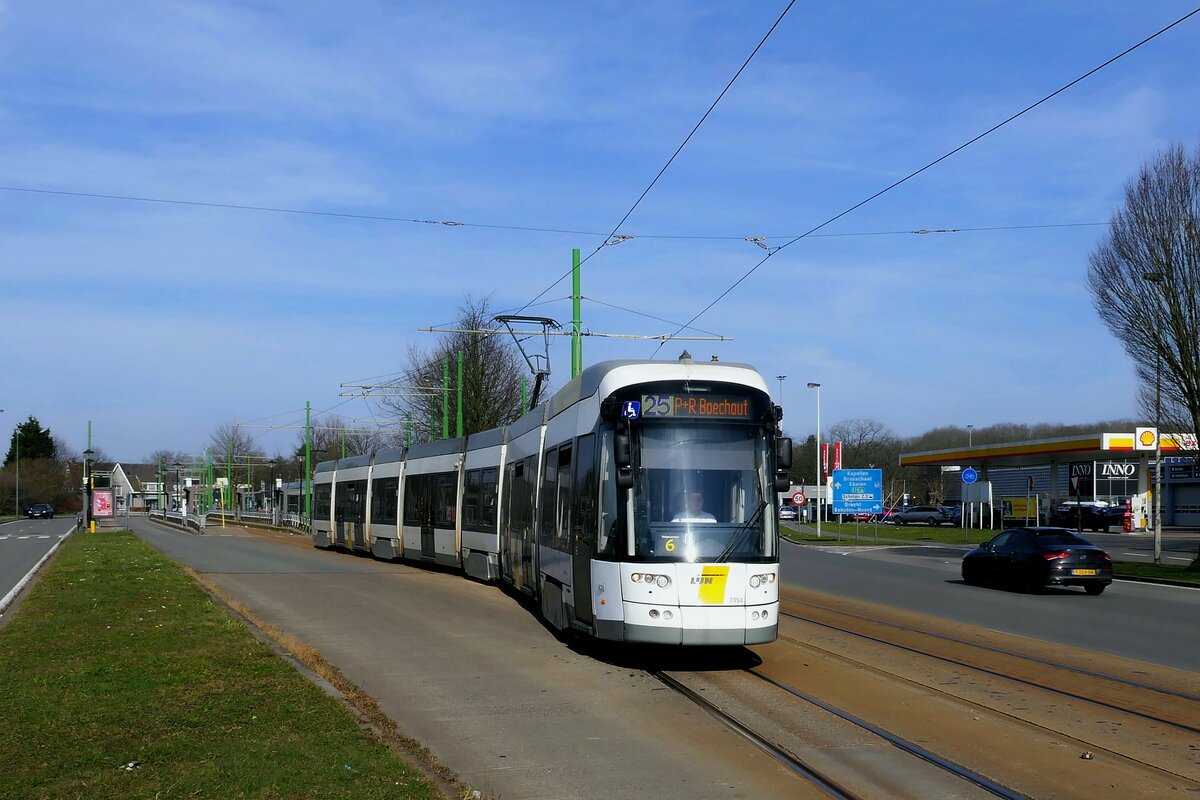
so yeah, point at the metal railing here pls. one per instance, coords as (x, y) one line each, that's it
(199, 522)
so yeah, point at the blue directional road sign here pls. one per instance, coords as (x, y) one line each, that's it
(969, 475)
(857, 491)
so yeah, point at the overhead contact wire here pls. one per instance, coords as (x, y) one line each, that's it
(772, 251)
(670, 160)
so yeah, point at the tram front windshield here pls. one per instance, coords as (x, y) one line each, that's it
(700, 494)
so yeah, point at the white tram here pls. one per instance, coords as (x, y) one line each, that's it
(637, 504)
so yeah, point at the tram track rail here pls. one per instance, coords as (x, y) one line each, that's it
(764, 743)
(1185, 706)
(821, 778)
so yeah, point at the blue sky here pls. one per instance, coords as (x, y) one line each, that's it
(160, 322)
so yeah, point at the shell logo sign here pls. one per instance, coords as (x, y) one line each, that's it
(1145, 438)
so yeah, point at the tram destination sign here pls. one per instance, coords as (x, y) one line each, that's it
(695, 406)
(857, 491)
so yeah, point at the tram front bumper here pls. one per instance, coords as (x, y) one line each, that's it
(693, 625)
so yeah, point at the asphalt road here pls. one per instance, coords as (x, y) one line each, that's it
(23, 542)
(1134, 620)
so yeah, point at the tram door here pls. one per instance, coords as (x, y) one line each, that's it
(519, 546)
(583, 527)
(352, 503)
(514, 472)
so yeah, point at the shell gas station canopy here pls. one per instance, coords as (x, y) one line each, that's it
(1089, 447)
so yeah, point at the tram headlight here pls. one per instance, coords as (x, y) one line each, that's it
(667, 615)
(759, 580)
(662, 581)
(654, 613)
(636, 577)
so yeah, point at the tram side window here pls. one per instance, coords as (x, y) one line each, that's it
(512, 473)
(487, 508)
(610, 498)
(351, 501)
(383, 501)
(583, 514)
(548, 502)
(562, 504)
(521, 498)
(531, 494)
(472, 489)
(321, 495)
(446, 501)
(418, 498)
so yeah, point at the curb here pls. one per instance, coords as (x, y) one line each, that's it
(1159, 581)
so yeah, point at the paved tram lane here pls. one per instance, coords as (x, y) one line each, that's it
(465, 669)
(23, 542)
(1133, 620)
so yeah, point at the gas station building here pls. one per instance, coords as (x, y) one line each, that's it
(1094, 468)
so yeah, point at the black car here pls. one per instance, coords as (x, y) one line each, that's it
(39, 511)
(1035, 557)
(1083, 515)
(930, 515)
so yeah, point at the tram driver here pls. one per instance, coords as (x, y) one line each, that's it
(695, 510)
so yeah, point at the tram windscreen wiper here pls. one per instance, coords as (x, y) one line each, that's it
(741, 532)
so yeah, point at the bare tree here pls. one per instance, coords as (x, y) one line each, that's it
(1145, 278)
(492, 373)
(330, 432)
(865, 442)
(168, 457)
(234, 450)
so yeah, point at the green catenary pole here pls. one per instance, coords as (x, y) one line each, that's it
(458, 428)
(343, 442)
(576, 339)
(446, 398)
(524, 393)
(408, 438)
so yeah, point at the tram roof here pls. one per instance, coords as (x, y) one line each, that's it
(588, 382)
(1086, 447)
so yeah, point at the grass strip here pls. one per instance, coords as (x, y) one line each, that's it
(121, 678)
(847, 533)
(1170, 572)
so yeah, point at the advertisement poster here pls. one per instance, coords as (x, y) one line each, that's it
(102, 502)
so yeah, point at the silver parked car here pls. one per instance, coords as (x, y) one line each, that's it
(930, 515)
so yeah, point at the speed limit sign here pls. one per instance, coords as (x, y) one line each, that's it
(799, 499)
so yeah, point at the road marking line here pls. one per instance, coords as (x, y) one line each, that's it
(43, 537)
(22, 537)
(16, 590)
(1180, 558)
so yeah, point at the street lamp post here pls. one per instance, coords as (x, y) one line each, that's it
(781, 378)
(969, 432)
(88, 455)
(179, 502)
(1159, 279)
(274, 504)
(820, 477)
